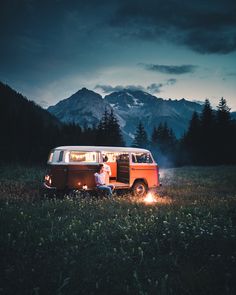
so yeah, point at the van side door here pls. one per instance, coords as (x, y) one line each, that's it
(123, 168)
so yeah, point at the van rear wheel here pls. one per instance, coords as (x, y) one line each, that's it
(139, 189)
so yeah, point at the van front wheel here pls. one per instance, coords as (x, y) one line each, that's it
(139, 189)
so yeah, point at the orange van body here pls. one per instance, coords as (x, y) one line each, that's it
(73, 168)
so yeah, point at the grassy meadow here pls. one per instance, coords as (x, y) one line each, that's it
(184, 243)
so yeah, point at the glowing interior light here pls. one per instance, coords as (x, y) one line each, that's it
(149, 199)
(67, 157)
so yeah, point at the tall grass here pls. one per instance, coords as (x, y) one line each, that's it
(182, 244)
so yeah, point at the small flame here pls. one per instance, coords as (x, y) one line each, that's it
(149, 199)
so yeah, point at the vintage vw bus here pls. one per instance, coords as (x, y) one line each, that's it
(73, 167)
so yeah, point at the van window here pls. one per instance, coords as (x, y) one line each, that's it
(111, 156)
(123, 157)
(141, 158)
(61, 156)
(82, 157)
(55, 156)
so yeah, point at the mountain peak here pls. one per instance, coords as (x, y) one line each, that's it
(85, 107)
(130, 106)
(84, 90)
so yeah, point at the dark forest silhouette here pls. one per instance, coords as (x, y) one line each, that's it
(211, 137)
(209, 140)
(29, 132)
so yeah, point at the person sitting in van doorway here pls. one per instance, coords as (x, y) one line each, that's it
(100, 181)
(107, 170)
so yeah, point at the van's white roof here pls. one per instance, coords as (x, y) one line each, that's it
(101, 149)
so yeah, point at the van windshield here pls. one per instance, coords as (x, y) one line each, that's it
(141, 158)
(81, 157)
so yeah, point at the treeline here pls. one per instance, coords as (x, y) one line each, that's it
(29, 132)
(163, 143)
(209, 140)
(211, 137)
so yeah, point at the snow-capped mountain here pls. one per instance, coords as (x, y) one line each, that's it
(85, 107)
(130, 107)
(134, 106)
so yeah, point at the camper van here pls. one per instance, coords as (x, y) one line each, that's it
(73, 167)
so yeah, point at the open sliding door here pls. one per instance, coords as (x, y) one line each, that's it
(123, 168)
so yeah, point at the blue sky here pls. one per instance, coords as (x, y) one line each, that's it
(172, 49)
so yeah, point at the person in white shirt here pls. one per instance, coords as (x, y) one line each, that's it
(107, 170)
(100, 181)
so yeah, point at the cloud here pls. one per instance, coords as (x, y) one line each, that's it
(173, 70)
(219, 41)
(157, 87)
(152, 88)
(231, 74)
(203, 26)
(109, 88)
(171, 81)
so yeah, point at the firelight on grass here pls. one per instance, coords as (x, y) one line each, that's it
(150, 199)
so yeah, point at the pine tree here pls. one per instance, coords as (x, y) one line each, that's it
(140, 137)
(225, 134)
(115, 135)
(108, 131)
(102, 137)
(165, 138)
(207, 141)
(163, 144)
(154, 137)
(212, 138)
(223, 113)
(207, 116)
(191, 141)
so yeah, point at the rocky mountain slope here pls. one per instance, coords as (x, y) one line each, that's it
(86, 107)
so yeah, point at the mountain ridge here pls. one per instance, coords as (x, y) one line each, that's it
(86, 107)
